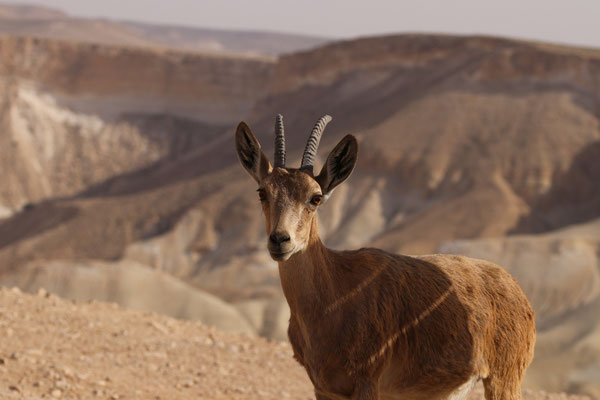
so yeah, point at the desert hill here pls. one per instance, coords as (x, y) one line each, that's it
(461, 138)
(452, 126)
(58, 349)
(75, 114)
(445, 142)
(42, 22)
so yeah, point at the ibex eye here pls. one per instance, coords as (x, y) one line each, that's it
(261, 195)
(316, 200)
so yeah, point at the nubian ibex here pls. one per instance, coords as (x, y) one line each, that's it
(367, 324)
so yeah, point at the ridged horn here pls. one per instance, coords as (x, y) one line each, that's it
(279, 159)
(308, 158)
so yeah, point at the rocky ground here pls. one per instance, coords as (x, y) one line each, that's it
(52, 348)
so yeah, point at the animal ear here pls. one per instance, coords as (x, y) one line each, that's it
(250, 154)
(339, 165)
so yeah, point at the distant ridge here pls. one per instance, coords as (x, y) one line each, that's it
(29, 11)
(30, 20)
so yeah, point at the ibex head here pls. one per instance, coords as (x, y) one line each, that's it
(290, 197)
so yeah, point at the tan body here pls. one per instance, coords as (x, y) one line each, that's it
(368, 324)
(406, 327)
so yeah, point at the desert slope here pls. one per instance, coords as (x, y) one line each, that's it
(75, 114)
(464, 134)
(65, 349)
(451, 126)
(113, 80)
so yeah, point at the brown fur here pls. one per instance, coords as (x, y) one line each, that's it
(367, 324)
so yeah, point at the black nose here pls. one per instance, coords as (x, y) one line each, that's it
(279, 237)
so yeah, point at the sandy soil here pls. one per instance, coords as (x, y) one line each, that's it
(52, 348)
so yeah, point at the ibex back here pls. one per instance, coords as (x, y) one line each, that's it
(367, 324)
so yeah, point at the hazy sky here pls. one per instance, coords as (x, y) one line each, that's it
(563, 21)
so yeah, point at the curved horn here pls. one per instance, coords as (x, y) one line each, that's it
(279, 142)
(308, 158)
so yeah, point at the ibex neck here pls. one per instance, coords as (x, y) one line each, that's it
(306, 276)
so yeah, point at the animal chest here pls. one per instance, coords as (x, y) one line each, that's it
(325, 351)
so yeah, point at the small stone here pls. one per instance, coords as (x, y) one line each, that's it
(233, 348)
(35, 352)
(61, 384)
(42, 292)
(14, 388)
(56, 393)
(159, 327)
(15, 289)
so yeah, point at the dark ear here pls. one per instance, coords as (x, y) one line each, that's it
(250, 154)
(339, 165)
